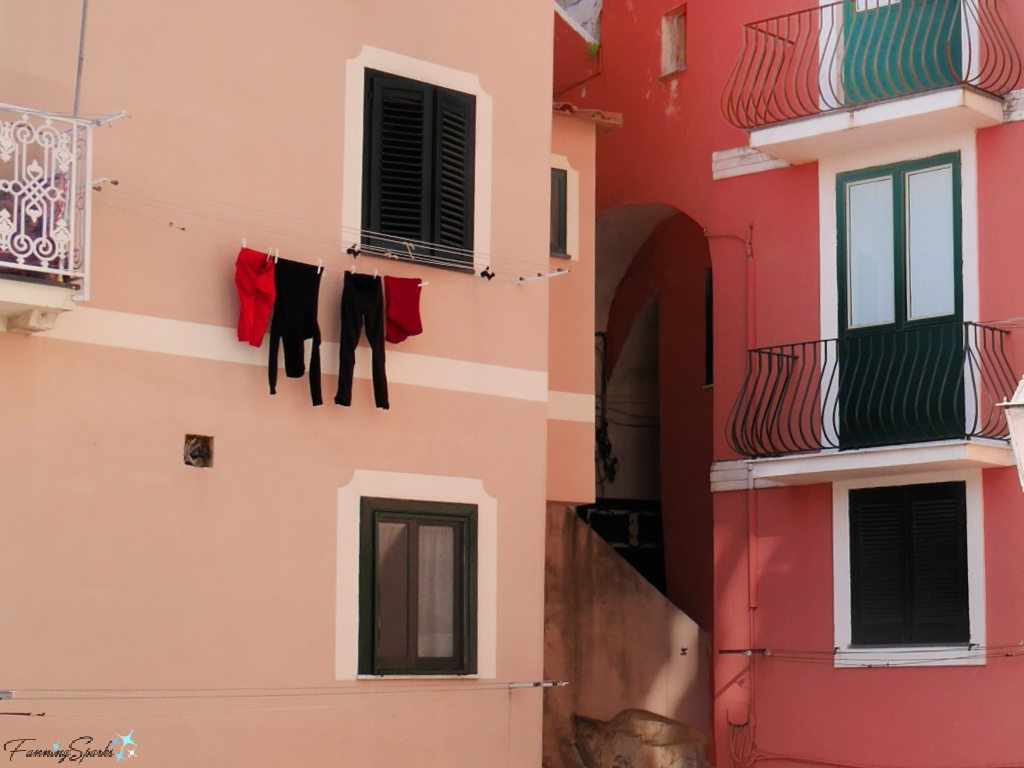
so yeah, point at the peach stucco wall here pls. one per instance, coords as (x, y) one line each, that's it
(132, 571)
(570, 330)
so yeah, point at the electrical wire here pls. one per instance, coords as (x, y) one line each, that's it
(408, 691)
(294, 227)
(370, 687)
(371, 251)
(880, 659)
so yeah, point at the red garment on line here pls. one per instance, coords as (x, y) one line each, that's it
(402, 308)
(254, 280)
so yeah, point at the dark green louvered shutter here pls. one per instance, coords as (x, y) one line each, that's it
(938, 564)
(908, 565)
(454, 171)
(398, 145)
(419, 150)
(878, 548)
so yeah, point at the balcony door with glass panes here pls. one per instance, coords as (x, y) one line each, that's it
(898, 47)
(900, 346)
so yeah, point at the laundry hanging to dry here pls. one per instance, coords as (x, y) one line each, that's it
(295, 320)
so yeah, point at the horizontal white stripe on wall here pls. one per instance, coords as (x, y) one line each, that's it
(124, 330)
(571, 406)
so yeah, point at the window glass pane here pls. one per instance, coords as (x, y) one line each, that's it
(558, 210)
(392, 589)
(869, 253)
(436, 591)
(930, 251)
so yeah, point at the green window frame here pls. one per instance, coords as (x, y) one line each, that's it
(417, 587)
(559, 211)
(908, 565)
(419, 143)
(900, 223)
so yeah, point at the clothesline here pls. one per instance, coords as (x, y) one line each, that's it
(486, 273)
(294, 227)
(274, 253)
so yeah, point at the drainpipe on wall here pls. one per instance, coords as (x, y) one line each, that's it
(81, 53)
(752, 560)
(745, 720)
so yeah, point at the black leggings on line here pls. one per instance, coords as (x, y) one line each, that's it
(362, 300)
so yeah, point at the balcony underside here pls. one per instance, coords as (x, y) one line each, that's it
(883, 124)
(30, 306)
(831, 466)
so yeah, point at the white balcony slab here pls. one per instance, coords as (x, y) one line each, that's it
(30, 306)
(908, 118)
(830, 466)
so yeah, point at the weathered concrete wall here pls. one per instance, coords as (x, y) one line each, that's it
(616, 640)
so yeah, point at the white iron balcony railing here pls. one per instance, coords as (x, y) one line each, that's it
(44, 197)
(852, 53)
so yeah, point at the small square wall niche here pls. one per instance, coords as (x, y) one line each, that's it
(198, 451)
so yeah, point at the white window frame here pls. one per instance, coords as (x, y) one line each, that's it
(829, 169)
(572, 206)
(945, 655)
(433, 74)
(828, 238)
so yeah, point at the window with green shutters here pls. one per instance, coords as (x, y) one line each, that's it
(419, 149)
(908, 565)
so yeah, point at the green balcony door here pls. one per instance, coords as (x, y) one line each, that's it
(897, 47)
(901, 344)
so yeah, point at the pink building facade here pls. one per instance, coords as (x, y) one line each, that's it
(850, 169)
(232, 578)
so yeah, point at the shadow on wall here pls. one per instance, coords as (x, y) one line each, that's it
(618, 642)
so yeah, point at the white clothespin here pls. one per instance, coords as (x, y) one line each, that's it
(375, 273)
(276, 250)
(319, 266)
(243, 242)
(424, 283)
(353, 270)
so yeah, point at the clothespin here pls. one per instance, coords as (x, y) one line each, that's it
(270, 255)
(319, 266)
(243, 242)
(353, 270)
(276, 251)
(424, 283)
(375, 273)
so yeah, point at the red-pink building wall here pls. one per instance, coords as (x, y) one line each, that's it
(803, 709)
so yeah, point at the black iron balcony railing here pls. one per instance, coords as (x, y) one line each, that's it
(938, 382)
(857, 52)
